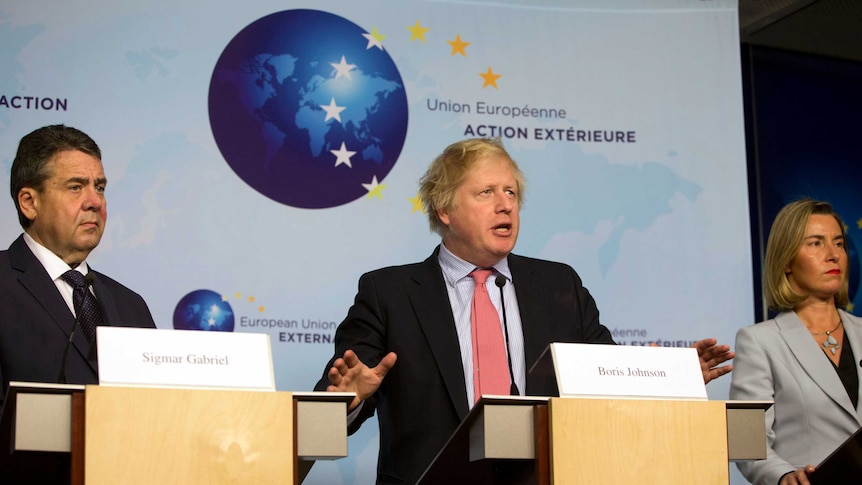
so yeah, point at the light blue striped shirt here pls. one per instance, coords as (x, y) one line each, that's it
(459, 285)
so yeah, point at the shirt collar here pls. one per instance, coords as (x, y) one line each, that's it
(50, 261)
(456, 269)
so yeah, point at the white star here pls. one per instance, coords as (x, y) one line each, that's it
(373, 185)
(343, 156)
(342, 68)
(373, 41)
(333, 111)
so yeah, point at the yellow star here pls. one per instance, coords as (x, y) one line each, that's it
(417, 32)
(859, 223)
(458, 46)
(375, 39)
(223, 298)
(417, 204)
(490, 78)
(260, 308)
(251, 299)
(375, 188)
(238, 295)
(377, 35)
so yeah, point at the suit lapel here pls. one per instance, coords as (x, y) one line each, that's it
(853, 332)
(812, 360)
(433, 310)
(532, 305)
(106, 301)
(38, 283)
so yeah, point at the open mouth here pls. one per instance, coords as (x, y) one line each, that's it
(503, 228)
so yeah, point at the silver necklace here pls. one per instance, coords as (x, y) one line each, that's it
(830, 343)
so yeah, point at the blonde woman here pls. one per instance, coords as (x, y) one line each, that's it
(803, 359)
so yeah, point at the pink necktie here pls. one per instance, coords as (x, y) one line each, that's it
(490, 368)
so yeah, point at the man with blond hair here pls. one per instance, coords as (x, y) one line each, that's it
(420, 315)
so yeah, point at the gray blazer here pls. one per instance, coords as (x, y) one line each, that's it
(779, 359)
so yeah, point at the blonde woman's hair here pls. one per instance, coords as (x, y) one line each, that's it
(785, 239)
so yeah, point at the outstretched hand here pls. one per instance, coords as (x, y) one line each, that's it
(349, 374)
(711, 356)
(799, 477)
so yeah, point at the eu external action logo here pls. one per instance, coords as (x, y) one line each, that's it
(204, 310)
(306, 107)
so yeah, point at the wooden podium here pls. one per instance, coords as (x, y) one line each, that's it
(539, 441)
(134, 435)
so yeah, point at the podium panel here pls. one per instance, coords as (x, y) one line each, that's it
(181, 436)
(622, 441)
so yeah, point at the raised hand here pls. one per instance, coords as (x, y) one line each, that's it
(711, 356)
(349, 374)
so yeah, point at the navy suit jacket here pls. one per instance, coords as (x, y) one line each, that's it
(423, 399)
(35, 323)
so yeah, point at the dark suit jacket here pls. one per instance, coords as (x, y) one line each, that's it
(406, 309)
(35, 323)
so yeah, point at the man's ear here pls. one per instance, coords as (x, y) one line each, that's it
(28, 201)
(443, 215)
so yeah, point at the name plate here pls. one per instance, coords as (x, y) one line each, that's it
(620, 371)
(144, 357)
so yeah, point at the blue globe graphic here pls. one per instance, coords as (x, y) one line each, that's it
(295, 86)
(203, 310)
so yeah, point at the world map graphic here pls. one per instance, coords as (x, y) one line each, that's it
(308, 108)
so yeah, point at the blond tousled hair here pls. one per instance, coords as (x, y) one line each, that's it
(447, 172)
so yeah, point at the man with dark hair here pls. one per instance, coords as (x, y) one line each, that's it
(422, 314)
(58, 186)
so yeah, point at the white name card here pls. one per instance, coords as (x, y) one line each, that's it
(620, 371)
(147, 357)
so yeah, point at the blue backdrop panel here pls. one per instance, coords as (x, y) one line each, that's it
(261, 155)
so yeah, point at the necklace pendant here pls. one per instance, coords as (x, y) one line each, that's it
(831, 344)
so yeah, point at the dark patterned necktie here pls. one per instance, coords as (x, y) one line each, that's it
(86, 307)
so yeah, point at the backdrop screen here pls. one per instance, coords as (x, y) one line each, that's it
(262, 155)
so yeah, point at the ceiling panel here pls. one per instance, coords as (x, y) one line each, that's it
(830, 28)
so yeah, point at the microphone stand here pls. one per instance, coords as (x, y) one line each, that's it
(500, 281)
(89, 278)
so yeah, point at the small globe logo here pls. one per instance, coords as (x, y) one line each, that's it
(203, 310)
(305, 109)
